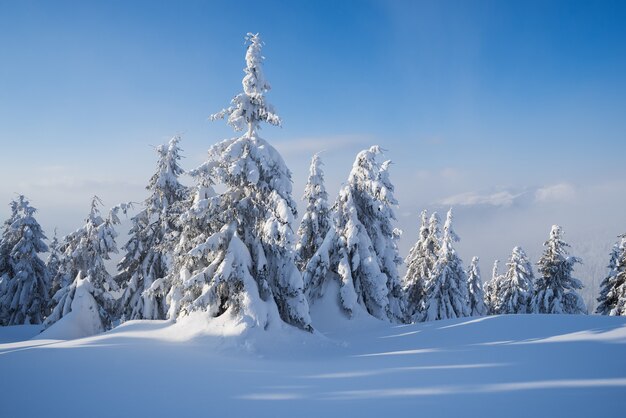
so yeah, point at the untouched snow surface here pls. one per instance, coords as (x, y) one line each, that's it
(513, 366)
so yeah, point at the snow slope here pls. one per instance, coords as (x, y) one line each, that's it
(514, 366)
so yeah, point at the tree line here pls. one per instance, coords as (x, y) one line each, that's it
(235, 251)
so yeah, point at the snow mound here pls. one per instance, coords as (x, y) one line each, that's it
(82, 321)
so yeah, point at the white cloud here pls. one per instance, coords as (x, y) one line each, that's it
(503, 198)
(555, 193)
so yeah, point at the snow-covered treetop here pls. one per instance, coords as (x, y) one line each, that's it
(95, 240)
(365, 168)
(433, 226)
(249, 108)
(473, 268)
(315, 191)
(254, 82)
(556, 234)
(494, 271)
(449, 236)
(519, 260)
(423, 232)
(374, 192)
(316, 175)
(164, 184)
(23, 234)
(556, 248)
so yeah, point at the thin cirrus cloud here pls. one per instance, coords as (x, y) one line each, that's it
(555, 193)
(310, 145)
(503, 198)
(507, 198)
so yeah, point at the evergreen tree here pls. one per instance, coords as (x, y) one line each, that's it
(247, 229)
(53, 262)
(492, 288)
(361, 246)
(419, 265)
(84, 253)
(316, 220)
(446, 292)
(475, 290)
(612, 300)
(26, 281)
(153, 231)
(556, 289)
(7, 242)
(515, 289)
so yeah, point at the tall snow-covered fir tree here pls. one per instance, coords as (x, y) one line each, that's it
(446, 293)
(420, 262)
(612, 300)
(492, 288)
(316, 220)
(361, 246)
(556, 289)
(26, 281)
(514, 291)
(475, 289)
(84, 253)
(243, 260)
(154, 229)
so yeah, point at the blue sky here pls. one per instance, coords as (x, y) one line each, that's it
(513, 112)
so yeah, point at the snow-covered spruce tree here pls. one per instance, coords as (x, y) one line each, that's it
(612, 300)
(475, 289)
(420, 262)
(446, 292)
(246, 261)
(54, 260)
(514, 291)
(24, 299)
(84, 253)
(7, 241)
(153, 231)
(492, 289)
(556, 289)
(361, 246)
(316, 220)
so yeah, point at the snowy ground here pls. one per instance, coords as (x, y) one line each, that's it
(531, 365)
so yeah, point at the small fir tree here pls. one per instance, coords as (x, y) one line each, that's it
(154, 229)
(420, 262)
(84, 253)
(7, 241)
(492, 288)
(446, 292)
(361, 246)
(24, 298)
(556, 289)
(612, 300)
(515, 289)
(475, 289)
(316, 220)
(53, 262)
